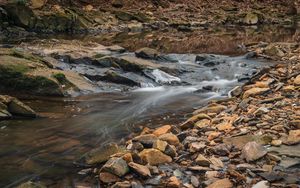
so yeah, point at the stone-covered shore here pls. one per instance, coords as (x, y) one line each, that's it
(248, 140)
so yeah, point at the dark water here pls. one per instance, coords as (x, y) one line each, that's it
(45, 149)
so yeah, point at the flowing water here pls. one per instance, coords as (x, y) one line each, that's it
(45, 148)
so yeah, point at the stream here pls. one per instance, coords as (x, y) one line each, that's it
(45, 148)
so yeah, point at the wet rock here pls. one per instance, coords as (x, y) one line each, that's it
(102, 154)
(173, 182)
(261, 184)
(293, 137)
(253, 151)
(224, 183)
(170, 138)
(147, 140)
(254, 91)
(202, 161)
(16, 107)
(147, 53)
(251, 19)
(140, 169)
(116, 77)
(116, 166)
(134, 64)
(107, 177)
(171, 151)
(154, 157)
(162, 130)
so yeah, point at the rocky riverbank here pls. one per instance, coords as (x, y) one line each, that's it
(248, 140)
(27, 18)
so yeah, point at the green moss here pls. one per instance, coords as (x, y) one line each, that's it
(15, 80)
(61, 78)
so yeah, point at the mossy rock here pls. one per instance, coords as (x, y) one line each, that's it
(14, 77)
(15, 80)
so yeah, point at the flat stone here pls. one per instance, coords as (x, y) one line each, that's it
(291, 151)
(195, 181)
(116, 166)
(107, 177)
(199, 168)
(216, 162)
(254, 91)
(191, 121)
(140, 169)
(162, 130)
(253, 151)
(240, 141)
(154, 157)
(170, 138)
(224, 183)
(261, 184)
(211, 109)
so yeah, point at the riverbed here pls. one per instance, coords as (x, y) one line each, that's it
(46, 148)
